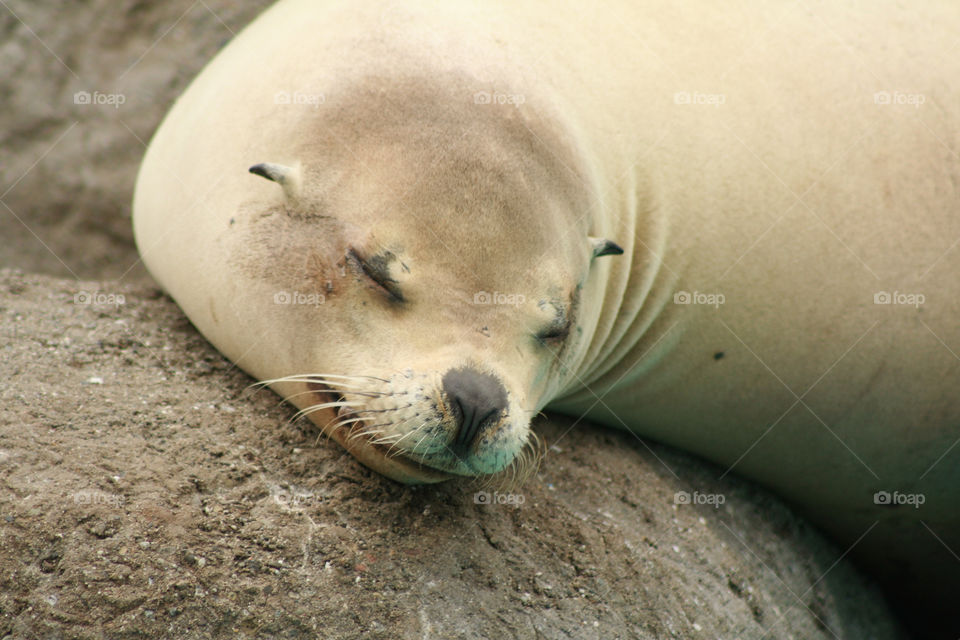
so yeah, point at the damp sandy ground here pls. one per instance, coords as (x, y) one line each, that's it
(147, 492)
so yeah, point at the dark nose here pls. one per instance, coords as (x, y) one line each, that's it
(477, 400)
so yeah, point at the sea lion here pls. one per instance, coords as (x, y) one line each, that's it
(407, 218)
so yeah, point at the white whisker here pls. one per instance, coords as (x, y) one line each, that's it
(366, 394)
(321, 378)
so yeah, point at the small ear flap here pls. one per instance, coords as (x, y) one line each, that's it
(604, 247)
(286, 177)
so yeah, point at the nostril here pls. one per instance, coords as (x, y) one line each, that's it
(476, 400)
(469, 423)
(463, 416)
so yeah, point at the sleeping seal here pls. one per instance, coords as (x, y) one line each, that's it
(409, 220)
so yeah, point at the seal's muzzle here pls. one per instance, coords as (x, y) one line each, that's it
(477, 400)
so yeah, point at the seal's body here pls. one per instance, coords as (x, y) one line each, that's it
(434, 263)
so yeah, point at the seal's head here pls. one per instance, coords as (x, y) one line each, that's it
(434, 270)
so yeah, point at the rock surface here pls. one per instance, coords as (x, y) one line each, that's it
(68, 166)
(148, 492)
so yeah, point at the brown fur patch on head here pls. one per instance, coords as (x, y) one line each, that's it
(419, 151)
(292, 252)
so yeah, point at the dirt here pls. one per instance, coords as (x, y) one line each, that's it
(147, 491)
(67, 168)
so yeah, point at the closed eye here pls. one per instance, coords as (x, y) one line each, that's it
(379, 276)
(554, 333)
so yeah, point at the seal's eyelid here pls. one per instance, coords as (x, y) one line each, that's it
(554, 333)
(378, 275)
(559, 329)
